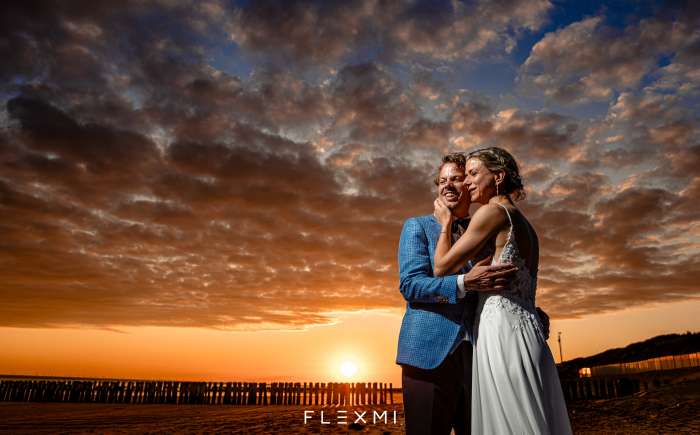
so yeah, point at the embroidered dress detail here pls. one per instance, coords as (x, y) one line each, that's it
(519, 299)
(516, 387)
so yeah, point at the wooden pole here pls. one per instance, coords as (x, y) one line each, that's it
(229, 398)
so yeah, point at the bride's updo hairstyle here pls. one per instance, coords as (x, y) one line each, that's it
(495, 158)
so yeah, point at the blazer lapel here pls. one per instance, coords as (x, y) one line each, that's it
(437, 227)
(435, 224)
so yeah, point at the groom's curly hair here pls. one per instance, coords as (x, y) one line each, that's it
(459, 159)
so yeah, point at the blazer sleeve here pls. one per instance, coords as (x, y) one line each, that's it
(417, 280)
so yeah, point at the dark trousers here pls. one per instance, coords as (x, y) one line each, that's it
(439, 399)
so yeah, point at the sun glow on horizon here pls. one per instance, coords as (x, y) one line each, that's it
(348, 369)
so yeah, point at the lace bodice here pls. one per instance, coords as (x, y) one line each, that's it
(519, 299)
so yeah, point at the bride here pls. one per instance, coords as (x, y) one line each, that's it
(516, 388)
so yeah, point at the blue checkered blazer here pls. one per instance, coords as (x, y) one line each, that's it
(435, 321)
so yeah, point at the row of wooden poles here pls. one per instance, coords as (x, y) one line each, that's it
(672, 362)
(251, 393)
(197, 393)
(587, 388)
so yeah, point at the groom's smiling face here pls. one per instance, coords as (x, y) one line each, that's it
(453, 191)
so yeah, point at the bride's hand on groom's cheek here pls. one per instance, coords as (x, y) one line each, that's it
(442, 213)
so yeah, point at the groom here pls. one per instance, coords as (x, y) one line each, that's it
(435, 351)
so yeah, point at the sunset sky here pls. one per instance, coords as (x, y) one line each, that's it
(215, 190)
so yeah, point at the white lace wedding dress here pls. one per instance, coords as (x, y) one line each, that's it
(516, 388)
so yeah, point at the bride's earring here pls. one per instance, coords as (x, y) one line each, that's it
(497, 189)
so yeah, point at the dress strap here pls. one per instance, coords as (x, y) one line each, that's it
(510, 220)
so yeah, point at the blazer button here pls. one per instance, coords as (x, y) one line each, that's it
(458, 317)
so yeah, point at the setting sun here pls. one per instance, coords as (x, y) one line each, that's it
(348, 368)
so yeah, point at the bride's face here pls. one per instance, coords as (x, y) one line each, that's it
(480, 182)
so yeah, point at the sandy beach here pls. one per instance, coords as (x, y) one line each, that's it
(670, 409)
(66, 418)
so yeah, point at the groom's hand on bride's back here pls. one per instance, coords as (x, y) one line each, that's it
(485, 277)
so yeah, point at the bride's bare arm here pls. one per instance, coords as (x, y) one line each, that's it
(486, 223)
